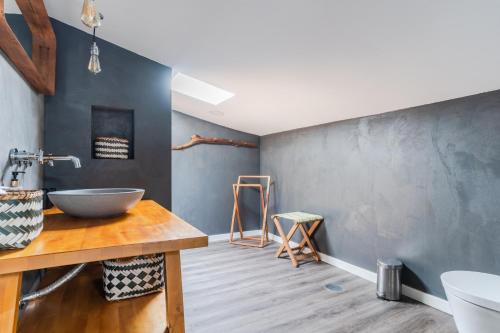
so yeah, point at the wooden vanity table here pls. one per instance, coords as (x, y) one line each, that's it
(146, 229)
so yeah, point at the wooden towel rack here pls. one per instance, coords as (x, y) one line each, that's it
(255, 241)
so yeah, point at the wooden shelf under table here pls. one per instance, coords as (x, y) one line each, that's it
(80, 306)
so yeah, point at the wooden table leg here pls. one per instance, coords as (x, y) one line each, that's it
(285, 242)
(264, 218)
(310, 232)
(309, 243)
(174, 297)
(289, 236)
(10, 291)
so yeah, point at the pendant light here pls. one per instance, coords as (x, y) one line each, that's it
(90, 16)
(94, 63)
(92, 19)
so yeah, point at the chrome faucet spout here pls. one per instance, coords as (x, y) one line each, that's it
(49, 159)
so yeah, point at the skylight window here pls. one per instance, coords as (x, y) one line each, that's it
(198, 89)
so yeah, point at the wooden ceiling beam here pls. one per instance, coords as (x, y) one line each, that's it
(40, 69)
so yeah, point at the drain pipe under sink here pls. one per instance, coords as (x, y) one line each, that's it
(53, 286)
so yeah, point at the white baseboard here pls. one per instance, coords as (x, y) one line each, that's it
(427, 299)
(356, 270)
(225, 237)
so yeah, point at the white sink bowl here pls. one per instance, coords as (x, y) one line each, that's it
(96, 203)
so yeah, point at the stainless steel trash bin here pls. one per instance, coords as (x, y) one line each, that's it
(389, 279)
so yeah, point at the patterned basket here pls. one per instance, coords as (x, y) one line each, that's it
(21, 218)
(133, 277)
(111, 148)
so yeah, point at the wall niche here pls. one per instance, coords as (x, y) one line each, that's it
(112, 133)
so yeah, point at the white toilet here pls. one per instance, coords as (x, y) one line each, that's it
(474, 299)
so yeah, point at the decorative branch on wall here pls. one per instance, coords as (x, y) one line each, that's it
(197, 140)
(40, 69)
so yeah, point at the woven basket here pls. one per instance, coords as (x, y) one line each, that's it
(21, 218)
(133, 277)
(111, 148)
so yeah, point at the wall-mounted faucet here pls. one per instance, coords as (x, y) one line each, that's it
(49, 159)
(23, 158)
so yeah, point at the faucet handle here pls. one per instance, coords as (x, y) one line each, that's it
(40, 157)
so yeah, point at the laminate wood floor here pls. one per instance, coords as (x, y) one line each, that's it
(231, 289)
(236, 289)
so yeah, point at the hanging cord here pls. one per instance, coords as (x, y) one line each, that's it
(101, 17)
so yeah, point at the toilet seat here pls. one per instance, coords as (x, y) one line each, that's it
(481, 289)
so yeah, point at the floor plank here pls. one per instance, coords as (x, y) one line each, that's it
(229, 288)
(237, 289)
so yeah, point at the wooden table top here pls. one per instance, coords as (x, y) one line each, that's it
(145, 229)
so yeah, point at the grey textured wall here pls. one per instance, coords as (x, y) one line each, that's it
(202, 176)
(21, 121)
(127, 81)
(21, 126)
(420, 184)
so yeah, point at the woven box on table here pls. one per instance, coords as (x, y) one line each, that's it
(21, 218)
(111, 148)
(132, 277)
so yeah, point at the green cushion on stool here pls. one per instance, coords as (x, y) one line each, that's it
(299, 217)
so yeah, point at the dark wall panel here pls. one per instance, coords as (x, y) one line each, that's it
(21, 30)
(111, 122)
(202, 176)
(127, 81)
(421, 184)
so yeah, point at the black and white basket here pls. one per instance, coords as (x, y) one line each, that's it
(21, 218)
(133, 277)
(111, 148)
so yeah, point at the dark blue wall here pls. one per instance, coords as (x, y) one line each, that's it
(127, 81)
(21, 30)
(202, 176)
(421, 184)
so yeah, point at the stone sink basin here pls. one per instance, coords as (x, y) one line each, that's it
(96, 203)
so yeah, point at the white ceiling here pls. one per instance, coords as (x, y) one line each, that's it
(296, 63)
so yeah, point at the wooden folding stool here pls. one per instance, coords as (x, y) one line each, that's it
(300, 220)
(255, 241)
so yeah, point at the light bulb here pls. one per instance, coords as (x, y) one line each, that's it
(94, 64)
(90, 16)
